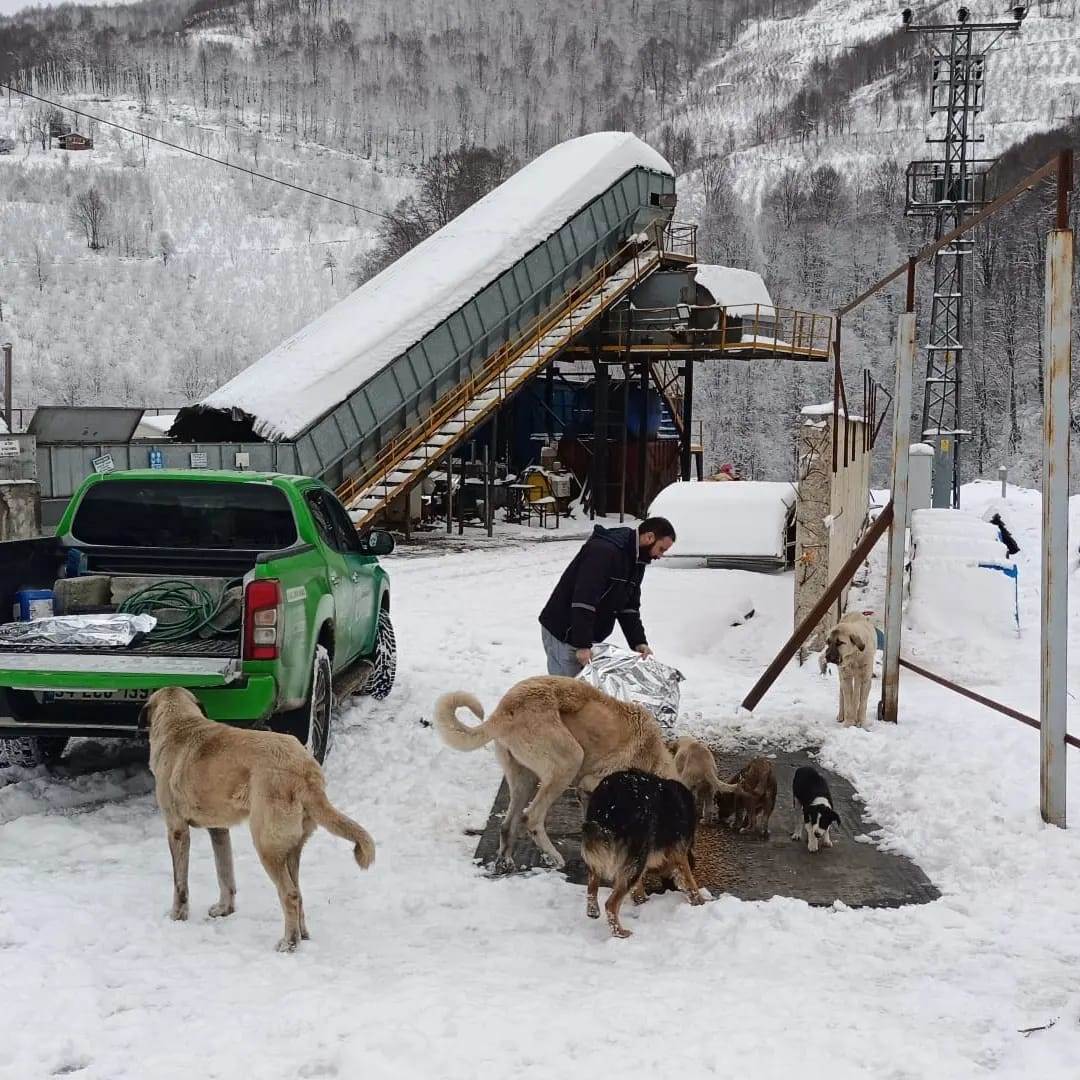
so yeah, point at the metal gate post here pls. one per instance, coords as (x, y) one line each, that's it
(1055, 523)
(894, 587)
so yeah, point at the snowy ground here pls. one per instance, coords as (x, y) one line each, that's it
(422, 967)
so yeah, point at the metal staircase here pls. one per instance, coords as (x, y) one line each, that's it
(461, 412)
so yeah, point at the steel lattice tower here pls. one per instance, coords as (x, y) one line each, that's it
(949, 189)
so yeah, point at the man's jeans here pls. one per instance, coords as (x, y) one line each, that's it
(560, 656)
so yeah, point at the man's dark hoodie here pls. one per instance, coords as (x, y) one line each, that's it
(602, 584)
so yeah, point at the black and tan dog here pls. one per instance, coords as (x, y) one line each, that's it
(637, 822)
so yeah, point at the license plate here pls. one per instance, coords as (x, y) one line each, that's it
(95, 695)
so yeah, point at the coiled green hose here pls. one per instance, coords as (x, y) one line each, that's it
(196, 608)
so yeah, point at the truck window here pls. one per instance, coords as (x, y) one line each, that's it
(343, 524)
(184, 514)
(333, 522)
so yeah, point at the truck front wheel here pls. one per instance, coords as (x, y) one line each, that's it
(311, 722)
(383, 659)
(30, 751)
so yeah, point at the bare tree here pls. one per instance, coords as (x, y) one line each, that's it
(166, 246)
(89, 213)
(330, 263)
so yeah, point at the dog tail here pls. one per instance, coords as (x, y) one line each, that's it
(333, 820)
(452, 731)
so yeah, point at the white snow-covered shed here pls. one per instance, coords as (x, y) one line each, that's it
(741, 292)
(748, 524)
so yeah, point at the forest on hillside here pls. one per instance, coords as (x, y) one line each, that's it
(135, 274)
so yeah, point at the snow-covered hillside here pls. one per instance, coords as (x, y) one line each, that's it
(1032, 84)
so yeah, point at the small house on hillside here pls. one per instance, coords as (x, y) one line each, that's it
(74, 141)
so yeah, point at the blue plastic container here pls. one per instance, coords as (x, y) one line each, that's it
(33, 604)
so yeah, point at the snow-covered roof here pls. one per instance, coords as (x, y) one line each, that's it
(744, 518)
(740, 291)
(296, 383)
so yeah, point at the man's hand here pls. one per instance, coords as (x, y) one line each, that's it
(644, 650)
(584, 656)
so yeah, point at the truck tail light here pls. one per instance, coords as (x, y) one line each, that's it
(262, 625)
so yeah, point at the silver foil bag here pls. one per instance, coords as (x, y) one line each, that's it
(103, 631)
(629, 676)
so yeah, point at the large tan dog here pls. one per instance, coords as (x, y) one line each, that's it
(551, 733)
(850, 645)
(213, 776)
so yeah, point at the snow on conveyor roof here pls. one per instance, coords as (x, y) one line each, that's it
(740, 291)
(296, 383)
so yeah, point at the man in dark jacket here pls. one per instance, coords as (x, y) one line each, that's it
(600, 586)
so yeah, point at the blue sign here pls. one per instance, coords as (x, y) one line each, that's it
(157, 459)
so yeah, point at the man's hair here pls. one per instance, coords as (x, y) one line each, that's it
(660, 527)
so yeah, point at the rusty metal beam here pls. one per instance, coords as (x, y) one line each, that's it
(1057, 362)
(846, 572)
(970, 223)
(963, 691)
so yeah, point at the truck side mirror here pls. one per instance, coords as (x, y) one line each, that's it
(377, 542)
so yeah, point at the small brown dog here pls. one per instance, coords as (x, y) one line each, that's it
(696, 768)
(756, 798)
(212, 776)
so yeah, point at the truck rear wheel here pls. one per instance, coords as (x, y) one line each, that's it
(30, 751)
(311, 722)
(383, 660)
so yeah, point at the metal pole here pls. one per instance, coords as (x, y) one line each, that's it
(8, 417)
(622, 452)
(1055, 524)
(461, 500)
(894, 587)
(1003, 476)
(687, 415)
(600, 439)
(643, 445)
(449, 494)
(487, 488)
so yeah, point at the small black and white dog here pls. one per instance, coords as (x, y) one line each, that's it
(810, 791)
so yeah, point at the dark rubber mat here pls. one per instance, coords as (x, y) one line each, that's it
(855, 872)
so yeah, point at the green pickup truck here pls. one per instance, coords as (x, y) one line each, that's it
(269, 603)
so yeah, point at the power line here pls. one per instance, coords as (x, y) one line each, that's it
(194, 153)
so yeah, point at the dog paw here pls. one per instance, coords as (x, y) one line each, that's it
(796, 835)
(179, 913)
(592, 909)
(696, 899)
(640, 898)
(287, 944)
(556, 862)
(219, 910)
(621, 932)
(304, 935)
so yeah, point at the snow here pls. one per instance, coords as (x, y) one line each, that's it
(826, 409)
(3, 427)
(746, 518)
(154, 426)
(423, 967)
(921, 449)
(742, 292)
(323, 363)
(960, 574)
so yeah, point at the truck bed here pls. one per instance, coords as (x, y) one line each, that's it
(223, 647)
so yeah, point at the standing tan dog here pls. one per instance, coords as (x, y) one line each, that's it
(213, 776)
(696, 766)
(850, 646)
(551, 733)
